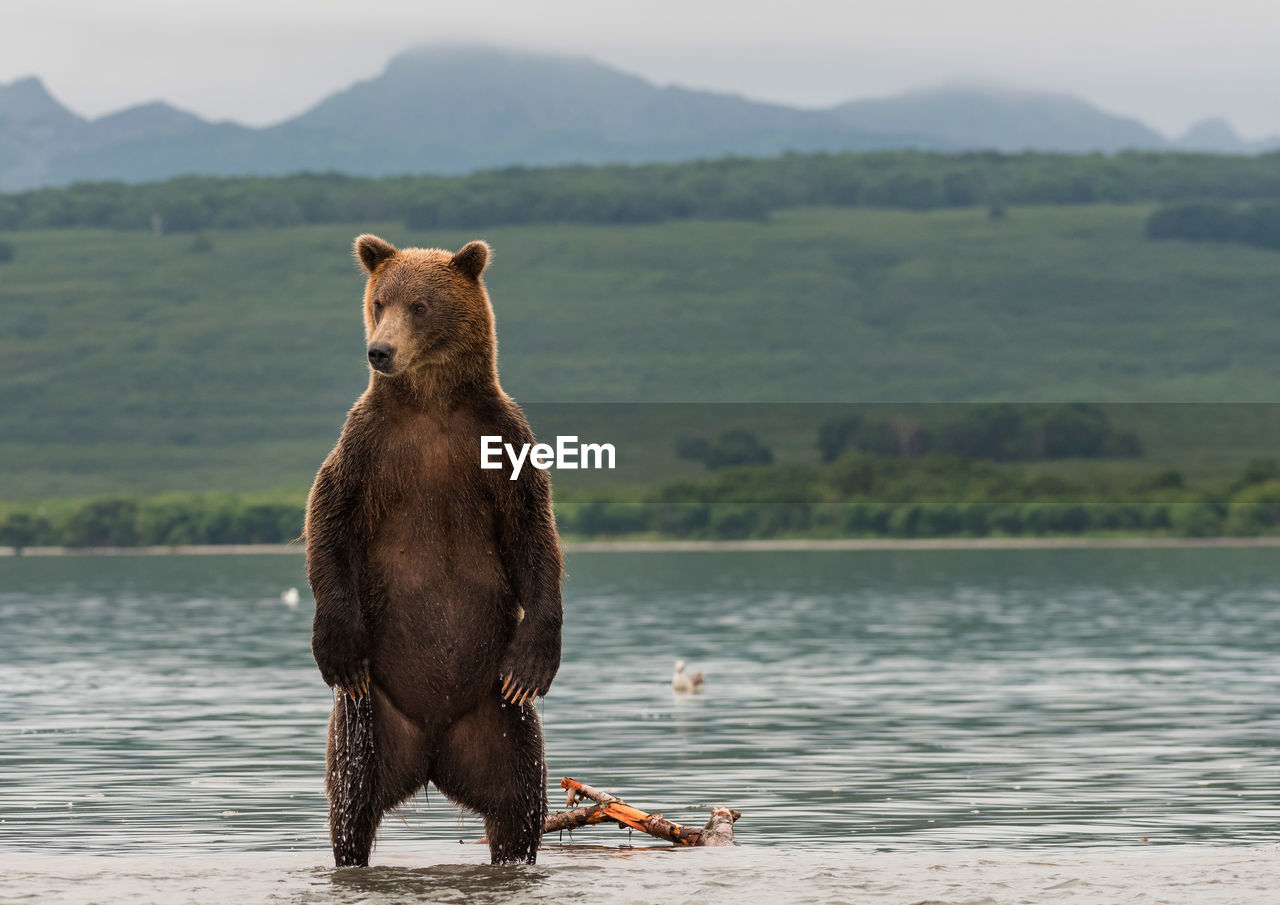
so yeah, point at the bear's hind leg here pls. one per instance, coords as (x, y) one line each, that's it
(492, 762)
(349, 780)
(376, 760)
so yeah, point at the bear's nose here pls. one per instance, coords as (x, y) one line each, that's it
(380, 355)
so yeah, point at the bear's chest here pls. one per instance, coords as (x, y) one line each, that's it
(422, 461)
(432, 522)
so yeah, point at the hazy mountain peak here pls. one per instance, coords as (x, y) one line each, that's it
(993, 91)
(457, 107)
(489, 106)
(28, 100)
(462, 80)
(1212, 134)
(469, 54)
(152, 112)
(145, 122)
(1001, 118)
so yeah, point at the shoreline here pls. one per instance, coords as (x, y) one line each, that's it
(887, 544)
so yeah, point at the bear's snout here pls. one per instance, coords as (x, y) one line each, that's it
(380, 356)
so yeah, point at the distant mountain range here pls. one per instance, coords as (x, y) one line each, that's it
(451, 109)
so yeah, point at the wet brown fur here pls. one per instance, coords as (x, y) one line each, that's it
(422, 564)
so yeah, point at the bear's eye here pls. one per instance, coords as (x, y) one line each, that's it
(419, 308)
(377, 308)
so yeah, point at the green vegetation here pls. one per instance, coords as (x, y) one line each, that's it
(165, 520)
(731, 447)
(858, 495)
(1215, 221)
(936, 495)
(1002, 432)
(132, 363)
(203, 334)
(730, 188)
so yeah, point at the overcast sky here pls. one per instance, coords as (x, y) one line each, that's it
(1168, 62)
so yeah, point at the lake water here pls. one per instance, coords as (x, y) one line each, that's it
(952, 726)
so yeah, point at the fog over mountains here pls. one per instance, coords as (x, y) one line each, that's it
(450, 109)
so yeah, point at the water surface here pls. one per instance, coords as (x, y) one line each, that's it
(1081, 707)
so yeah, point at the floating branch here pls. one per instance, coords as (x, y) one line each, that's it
(718, 830)
(571, 820)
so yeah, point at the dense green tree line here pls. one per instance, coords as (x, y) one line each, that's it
(1218, 221)
(729, 448)
(159, 521)
(1003, 432)
(858, 495)
(758, 521)
(935, 495)
(734, 188)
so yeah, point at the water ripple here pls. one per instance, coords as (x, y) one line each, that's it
(902, 701)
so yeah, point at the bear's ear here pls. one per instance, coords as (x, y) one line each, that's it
(473, 258)
(372, 251)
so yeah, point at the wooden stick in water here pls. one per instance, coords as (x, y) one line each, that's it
(718, 831)
(571, 820)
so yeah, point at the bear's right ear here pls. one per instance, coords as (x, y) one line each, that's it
(372, 251)
(473, 258)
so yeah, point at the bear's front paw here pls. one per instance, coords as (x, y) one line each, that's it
(343, 657)
(522, 681)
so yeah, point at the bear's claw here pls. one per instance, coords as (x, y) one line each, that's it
(355, 689)
(518, 693)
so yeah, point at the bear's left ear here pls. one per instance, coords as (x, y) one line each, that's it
(473, 258)
(372, 251)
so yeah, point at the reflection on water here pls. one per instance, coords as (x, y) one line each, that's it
(898, 701)
(473, 883)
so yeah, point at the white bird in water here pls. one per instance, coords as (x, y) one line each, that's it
(290, 597)
(684, 683)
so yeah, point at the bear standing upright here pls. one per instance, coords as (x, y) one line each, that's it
(437, 583)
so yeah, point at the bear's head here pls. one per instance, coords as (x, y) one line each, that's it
(426, 309)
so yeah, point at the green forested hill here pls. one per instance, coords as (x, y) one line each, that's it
(227, 360)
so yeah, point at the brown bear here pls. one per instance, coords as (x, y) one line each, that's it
(437, 582)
